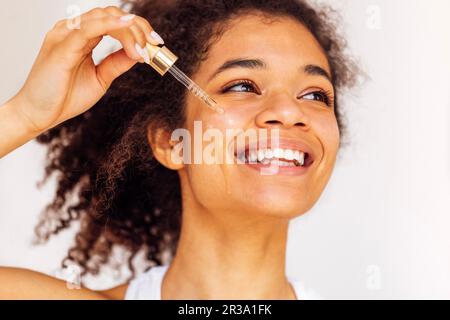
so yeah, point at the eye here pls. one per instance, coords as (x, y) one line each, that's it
(319, 96)
(240, 86)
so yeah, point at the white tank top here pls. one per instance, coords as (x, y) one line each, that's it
(147, 286)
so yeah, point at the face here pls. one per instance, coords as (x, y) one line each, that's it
(265, 76)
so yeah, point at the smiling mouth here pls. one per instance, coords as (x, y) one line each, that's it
(282, 157)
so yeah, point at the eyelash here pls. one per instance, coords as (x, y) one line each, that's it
(325, 96)
(237, 83)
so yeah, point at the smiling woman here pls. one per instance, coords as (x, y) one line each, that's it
(272, 65)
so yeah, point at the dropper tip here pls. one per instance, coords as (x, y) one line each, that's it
(210, 102)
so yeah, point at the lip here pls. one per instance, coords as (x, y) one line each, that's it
(283, 143)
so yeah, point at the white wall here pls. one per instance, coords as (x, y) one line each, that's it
(380, 229)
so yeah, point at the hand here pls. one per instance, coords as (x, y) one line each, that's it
(64, 81)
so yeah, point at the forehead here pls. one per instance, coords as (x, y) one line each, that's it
(282, 42)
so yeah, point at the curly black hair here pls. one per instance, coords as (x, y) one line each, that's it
(107, 177)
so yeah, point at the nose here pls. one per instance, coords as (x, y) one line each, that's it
(282, 111)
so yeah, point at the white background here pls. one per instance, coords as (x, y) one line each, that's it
(381, 229)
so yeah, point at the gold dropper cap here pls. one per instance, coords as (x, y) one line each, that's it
(161, 58)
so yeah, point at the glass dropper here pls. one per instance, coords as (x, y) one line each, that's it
(163, 61)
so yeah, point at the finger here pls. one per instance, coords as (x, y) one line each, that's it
(112, 67)
(135, 28)
(141, 28)
(147, 29)
(152, 36)
(78, 40)
(130, 42)
(139, 35)
(128, 38)
(140, 43)
(95, 14)
(63, 27)
(115, 11)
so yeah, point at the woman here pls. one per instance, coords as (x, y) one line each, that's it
(275, 66)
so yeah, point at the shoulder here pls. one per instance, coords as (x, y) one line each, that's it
(25, 284)
(116, 293)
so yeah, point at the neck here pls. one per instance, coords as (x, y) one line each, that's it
(228, 255)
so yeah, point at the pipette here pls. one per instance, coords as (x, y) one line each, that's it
(163, 61)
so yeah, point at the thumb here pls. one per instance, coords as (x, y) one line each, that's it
(113, 66)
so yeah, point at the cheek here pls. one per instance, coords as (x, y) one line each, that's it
(238, 114)
(211, 181)
(327, 131)
(332, 136)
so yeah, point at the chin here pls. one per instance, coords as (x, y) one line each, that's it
(281, 206)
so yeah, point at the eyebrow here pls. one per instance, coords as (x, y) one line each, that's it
(257, 64)
(239, 63)
(314, 70)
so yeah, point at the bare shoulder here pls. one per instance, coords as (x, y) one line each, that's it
(19, 283)
(116, 293)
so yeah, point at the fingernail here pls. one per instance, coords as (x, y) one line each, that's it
(143, 53)
(139, 50)
(127, 18)
(155, 36)
(146, 56)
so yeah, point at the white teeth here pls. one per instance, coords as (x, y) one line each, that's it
(289, 154)
(269, 154)
(261, 155)
(253, 156)
(302, 158)
(282, 163)
(277, 156)
(278, 153)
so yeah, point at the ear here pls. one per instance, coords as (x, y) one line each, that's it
(163, 147)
